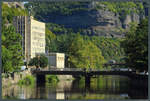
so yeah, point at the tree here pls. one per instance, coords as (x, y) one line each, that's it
(50, 41)
(136, 46)
(84, 54)
(9, 12)
(12, 57)
(110, 47)
(39, 61)
(6, 60)
(11, 49)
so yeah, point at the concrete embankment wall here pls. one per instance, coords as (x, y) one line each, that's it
(8, 79)
(64, 77)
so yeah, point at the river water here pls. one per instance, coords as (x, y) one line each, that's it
(103, 87)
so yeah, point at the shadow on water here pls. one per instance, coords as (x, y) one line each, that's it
(103, 87)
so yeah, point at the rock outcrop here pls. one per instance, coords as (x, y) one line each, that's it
(100, 22)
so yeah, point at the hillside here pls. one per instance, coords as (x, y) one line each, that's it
(91, 18)
(88, 20)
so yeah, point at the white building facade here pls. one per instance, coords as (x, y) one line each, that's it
(33, 35)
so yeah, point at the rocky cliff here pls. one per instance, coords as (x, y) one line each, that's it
(93, 21)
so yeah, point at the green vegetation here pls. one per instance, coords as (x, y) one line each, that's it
(110, 47)
(57, 8)
(28, 80)
(11, 49)
(122, 8)
(9, 12)
(136, 46)
(42, 9)
(81, 50)
(62, 39)
(58, 29)
(39, 61)
(50, 38)
(11, 41)
(77, 46)
(52, 79)
(83, 53)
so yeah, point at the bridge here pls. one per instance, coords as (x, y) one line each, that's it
(82, 72)
(87, 73)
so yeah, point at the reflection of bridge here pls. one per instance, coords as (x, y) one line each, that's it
(40, 74)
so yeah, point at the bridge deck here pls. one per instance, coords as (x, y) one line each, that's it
(78, 71)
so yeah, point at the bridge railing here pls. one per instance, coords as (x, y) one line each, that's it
(65, 69)
(98, 69)
(76, 69)
(80, 69)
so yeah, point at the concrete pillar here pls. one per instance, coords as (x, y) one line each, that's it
(87, 81)
(40, 79)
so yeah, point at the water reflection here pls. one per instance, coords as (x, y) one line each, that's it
(104, 87)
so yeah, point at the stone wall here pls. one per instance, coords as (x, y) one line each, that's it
(13, 78)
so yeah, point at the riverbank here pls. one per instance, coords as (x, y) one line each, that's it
(103, 87)
(26, 76)
(13, 78)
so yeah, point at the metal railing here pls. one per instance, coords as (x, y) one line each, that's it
(65, 69)
(76, 69)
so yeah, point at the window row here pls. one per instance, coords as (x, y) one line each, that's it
(38, 39)
(38, 50)
(39, 28)
(38, 34)
(38, 44)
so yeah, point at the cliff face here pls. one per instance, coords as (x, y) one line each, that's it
(96, 22)
(100, 22)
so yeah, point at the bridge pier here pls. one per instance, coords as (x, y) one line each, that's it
(40, 79)
(87, 81)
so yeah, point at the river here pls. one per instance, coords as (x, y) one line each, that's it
(102, 87)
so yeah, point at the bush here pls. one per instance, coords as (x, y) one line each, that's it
(39, 61)
(28, 80)
(51, 79)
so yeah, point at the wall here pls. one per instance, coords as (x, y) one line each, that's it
(60, 60)
(56, 60)
(15, 79)
(37, 37)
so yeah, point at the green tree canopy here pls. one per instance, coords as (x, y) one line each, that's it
(136, 46)
(9, 12)
(84, 54)
(6, 60)
(39, 61)
(50, 40)
(12, 57)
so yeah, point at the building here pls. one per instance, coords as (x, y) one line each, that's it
(33, 35)
(56, 60)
